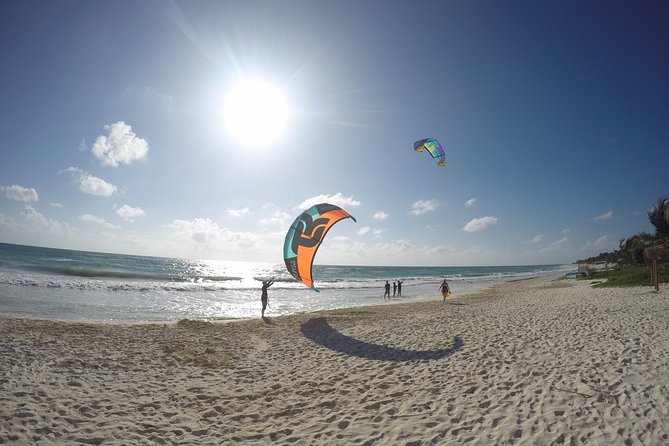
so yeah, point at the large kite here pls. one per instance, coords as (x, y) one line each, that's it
(433, 147)
(305, 236)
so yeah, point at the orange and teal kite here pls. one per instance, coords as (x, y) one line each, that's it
(433, 147)
(305, 236)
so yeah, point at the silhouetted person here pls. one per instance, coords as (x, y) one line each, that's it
(263, 296)
(387, 292)
(394, 288)
(399, 287)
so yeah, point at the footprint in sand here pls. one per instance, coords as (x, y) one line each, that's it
(259, 346)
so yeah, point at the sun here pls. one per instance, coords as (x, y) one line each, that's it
(255, 112)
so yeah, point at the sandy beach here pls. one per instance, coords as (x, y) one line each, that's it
(539, 361)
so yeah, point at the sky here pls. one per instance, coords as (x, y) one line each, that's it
(115, 131)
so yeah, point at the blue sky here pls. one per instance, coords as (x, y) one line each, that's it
(554, 117)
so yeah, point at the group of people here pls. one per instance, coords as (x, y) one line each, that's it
(397, 291)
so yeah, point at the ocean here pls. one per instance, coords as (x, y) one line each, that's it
(67, 285)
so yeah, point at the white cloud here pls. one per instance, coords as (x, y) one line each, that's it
(537, 238)
(605, 216)
(39, 223)
(598, 245)
(381, 215)
(556, 246)
(203, 230)
(89, 184)
(479, 224)
(565, 231)
(53, 204)
(129, 213)
(20, 193)
(121, 146)
(89, 218)
(7, 223)
(278, 218)
(422, 206)
(82, 145)
(337, 199)
(364, 230)
(471, 202)
(236, 213)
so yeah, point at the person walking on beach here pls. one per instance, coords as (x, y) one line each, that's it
(394, 288)
(387, 292)
(445, 290)
(263, 296)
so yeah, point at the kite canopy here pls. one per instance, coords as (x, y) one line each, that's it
(305, 236)
(433, 147)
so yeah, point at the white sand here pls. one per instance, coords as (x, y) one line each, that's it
(530, 362)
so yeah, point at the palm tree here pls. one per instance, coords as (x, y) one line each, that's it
(631, 249)
(659, 218)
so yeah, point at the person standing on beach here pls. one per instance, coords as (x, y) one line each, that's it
(445, 290)
(263, 296)
(394, 288)
(399, 288)
(387, 292)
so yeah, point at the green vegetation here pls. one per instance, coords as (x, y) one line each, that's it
(631, 269)
(630, 275)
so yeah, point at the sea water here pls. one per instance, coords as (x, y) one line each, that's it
(58, 284)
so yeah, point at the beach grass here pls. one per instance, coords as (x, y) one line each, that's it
(629, 276)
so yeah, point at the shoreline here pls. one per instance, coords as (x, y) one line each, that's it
(127, 316)
(537, 361)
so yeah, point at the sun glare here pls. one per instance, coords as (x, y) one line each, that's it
(256, 113)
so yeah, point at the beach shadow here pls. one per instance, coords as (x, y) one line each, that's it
(267, 320)
(319, 331)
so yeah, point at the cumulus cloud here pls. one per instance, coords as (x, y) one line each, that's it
(605, 216)
(120, 146)
(337, 199)
(479, 224)
(471, 202)
(90, 184)
(7, 223)
(129, 213)
(381, 215)
(236, 213)
(203, 230)
(364, 230)
(537, 238)
(90, 218)
(42, 224)
(53, 204)
(20, 193)
(278, 218)
(422, 206)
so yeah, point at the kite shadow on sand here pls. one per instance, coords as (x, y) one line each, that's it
(319, 331)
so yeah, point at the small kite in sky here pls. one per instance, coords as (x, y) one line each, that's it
(434, 149)
(305, 236)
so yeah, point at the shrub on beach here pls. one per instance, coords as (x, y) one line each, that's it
(630, 275)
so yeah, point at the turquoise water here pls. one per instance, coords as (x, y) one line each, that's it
(63, 284)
